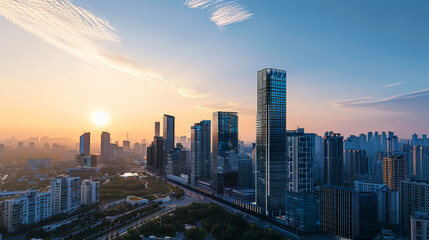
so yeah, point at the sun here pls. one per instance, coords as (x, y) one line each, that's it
(100, 118)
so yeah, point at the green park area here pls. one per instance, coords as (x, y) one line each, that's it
(147, 187)
(206, 220)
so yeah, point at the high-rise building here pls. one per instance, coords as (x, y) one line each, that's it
(394, 170)
(368, 224)
(333, 168)
(168, 133)
(155, 155)
(302, 212)
(420, 226)
(65, 194)
(157, 129)
(126, 145)
(90, 192)
(85, 144)
(271, 152)
(1, 148)
(339, 211)
(421, 162)
(224, 163)
(177, 161)
(387, 200)
(26, 209)
(105, 146)
(301, 150)
(357, 162)
(414, 196)
(200, 151)
(246, 176)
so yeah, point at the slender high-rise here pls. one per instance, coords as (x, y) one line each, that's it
(84, 144)
(225, 150)
(200, 151)
(271, 152)
(333, 168)
(105, 146)
(394, 170)
(168, 133)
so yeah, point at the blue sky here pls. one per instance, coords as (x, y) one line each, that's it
(333, 51)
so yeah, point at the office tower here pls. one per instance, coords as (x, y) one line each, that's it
(168, 133)
(339, 211)
(65, 194)
(137, 148)
(383, 143)
(84, 144)
(271, 152)
(414, 196)
(246, 176)
(392, 143)
(369, 136)
(26, 209)
(420, 226)
(144, 150)
(376, 142)
(408, 152)
(224, 150)
(368, 225)
(105, 146)
(415, 139)
(114, 151)
(126, 145)
(157, 129)
(177, 161)
(358, 164)
(200, 151)
(394, 170)
(387, 200)
(362, 141)
(351, 143)
(333, 169)
(302, 212)
(421, 162)
(35, 164)
(301, 150)
(90, 192)
(155, 155)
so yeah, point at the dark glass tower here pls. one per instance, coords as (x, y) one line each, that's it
(333, 169)
(200, 151)
(271, 153)
(225, 150)
(84, 144)
(168, 133)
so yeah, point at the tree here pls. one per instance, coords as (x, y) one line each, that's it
(195, 234)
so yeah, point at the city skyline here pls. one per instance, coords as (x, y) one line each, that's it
(204, 67)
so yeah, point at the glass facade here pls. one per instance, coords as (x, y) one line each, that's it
(200, 151)
(271, 152)
(334, 155)
(84, 144)
(168, 133)
(225, 150)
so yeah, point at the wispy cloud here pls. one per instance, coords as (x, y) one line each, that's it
(415, 102)
(393, 84)
(191, 93)
(228, 106)
(78, 32)
(222, 12)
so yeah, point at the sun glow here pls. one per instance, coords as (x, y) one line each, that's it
(100, 118)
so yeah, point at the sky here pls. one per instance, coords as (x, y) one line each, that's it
(353, 66)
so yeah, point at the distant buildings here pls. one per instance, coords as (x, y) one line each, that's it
(35, 164)
(224, 150)
(105, 146)
(157, 129)
(85, 144)
(200, 151)
(271, 153)
(126, 145)
(65, 194)
(333, 168)
(395, 170)
(155, 155)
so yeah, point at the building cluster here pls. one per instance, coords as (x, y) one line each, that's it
(64, 196)
(348, 188)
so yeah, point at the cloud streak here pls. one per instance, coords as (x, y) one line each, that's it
(414, 102)
(228, 106)
(222, 12)
(393, 84)
(80, 33)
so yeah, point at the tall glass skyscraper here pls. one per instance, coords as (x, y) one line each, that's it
(168, 133)
(334, 155)
(84, 144)
(271, 152)
(225, 150)
(200, 151)
(105, 146)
